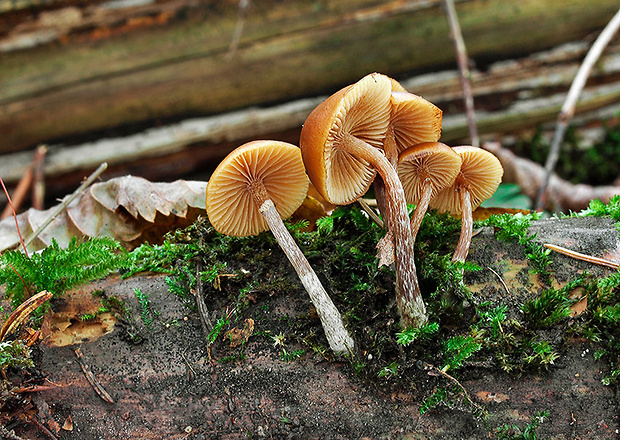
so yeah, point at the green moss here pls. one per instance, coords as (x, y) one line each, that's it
(56, 269)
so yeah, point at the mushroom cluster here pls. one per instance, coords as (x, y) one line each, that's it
(342, 146)
(370, 131)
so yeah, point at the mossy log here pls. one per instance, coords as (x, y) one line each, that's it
(71, 68)
(172, 386)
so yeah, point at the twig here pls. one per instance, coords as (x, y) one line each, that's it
(26, 181)
(8, 197)
(439, 372)
(582, 257)
(38, 177)
(462, 60)
(42, 427)
(92, 380)
(66, 202)
(371, 212)
(8, 435)
(234, 44)
(500, 279)
(568, 108)
(203, 312)
(18, 194)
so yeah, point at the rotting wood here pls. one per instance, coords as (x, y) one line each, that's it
(527, 77)
(113, 76)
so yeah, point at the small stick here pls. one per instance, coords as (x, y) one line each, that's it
(92, 380)
(371, 212)
(244, 5)
(42, 427)
(66, 202)
(8, 197)
(568, 108)
(582, 257)
(462, 60)
(439, 372)
(500, 279)
(26, 181)
(8, 435)
(18, 194)
(203, 312)
(38, 176)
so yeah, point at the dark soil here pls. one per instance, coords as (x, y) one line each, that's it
(278, 379)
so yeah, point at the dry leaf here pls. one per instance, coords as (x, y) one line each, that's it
(129, 209)
(239, 337)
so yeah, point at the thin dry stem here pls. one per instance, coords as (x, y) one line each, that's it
(66, 202)
(421, 208)
(462, 60)
(467, 225)
(568, 108)
(582, 257)
(8, 197)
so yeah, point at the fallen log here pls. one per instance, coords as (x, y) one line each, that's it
(83, 69)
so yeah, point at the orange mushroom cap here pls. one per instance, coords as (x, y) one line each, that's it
(481, 173)
(231, 206)
(415, 120)
(429, 160)
(361, 110)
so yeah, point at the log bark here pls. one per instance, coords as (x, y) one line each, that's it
(80, 69)
(171, 386)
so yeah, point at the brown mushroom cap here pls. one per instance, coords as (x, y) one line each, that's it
(415, 120)
(429, 160)
(231, 207)
(361, 110)
(481, 173)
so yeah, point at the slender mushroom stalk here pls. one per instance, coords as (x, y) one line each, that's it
(341, 145)
(413, 121)
(251, 190)
(425, 170)
(479, 177)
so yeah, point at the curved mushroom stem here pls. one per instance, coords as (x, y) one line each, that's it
(467, 225)
(408, 297)
(421, 207)
(338, 337)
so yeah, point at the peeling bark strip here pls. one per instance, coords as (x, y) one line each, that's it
(166, 59)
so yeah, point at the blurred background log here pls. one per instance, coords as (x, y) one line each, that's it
(154, 88)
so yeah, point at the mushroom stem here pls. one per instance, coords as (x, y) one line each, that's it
(409, 299)
(421, 207)
(391, 153)
(467, 225)
(338, 337)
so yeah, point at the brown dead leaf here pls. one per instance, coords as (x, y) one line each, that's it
(487, 396)
(484, 213)
(239, 337)
(68, 425)
(129, 209)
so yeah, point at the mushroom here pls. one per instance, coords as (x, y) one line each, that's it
(341, 144)
(479, 177)
(425, 170)
(413, 120)
(252, 190)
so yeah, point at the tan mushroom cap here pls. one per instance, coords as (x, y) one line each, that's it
(278, 165)
(415, 120)
(481, 173)
(429, 160)
(361, 110)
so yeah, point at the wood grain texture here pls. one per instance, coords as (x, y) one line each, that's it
(107, 68)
